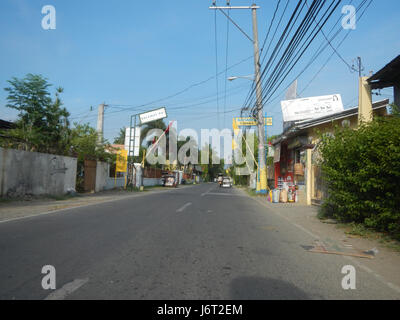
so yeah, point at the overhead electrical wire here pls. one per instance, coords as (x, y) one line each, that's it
(262, 48)
(321, 49)
(226, 63)
(296, 47)
(273, 87)
(216, 64)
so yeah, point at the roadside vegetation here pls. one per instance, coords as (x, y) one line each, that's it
(362, 173)
(43, 123)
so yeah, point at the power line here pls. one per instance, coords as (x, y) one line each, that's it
(216, 63)
(226, 62)
(319, 51)
(333, 48)
(322, 48)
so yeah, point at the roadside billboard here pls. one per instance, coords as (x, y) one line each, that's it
(241, 122)
(153, 115)
(129, 134)
(311, 108)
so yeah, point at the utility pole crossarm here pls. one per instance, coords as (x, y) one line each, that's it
(232, 7)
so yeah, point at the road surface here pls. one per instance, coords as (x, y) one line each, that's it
(196, 242)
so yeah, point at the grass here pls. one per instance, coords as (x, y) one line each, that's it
(360, 231)
(63, 197)
(5, 200)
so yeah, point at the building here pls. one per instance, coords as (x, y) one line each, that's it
(388, 77)
(296, 153)
(6, 125)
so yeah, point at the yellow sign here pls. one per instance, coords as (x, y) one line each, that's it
(122, 161)
(242, 122)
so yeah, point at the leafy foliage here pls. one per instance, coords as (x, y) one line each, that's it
(121, 136)
(83, 144)
(43, 122)
(362, 171)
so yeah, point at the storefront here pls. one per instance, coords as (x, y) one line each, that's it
(296, 154)
(289, 164)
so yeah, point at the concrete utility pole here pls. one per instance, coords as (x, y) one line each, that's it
(364, 96)
(259, 103)
(260, 113)
(100, 123)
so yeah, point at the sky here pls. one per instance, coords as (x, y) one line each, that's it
(131, 55)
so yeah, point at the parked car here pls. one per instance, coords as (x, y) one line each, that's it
(226, 183)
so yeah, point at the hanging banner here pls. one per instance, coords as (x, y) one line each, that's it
(122, 161)
(311, 108)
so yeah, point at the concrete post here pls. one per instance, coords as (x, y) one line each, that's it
(309, 177)
(397, 94)
(100, 123)
(364, 101)
(260, 114)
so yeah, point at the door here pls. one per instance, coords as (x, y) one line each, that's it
(90, 175)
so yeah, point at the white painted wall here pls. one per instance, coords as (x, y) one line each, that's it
(32, 173)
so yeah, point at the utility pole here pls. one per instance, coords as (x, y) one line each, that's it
(259, 103)
(260, 113)
(100, 123)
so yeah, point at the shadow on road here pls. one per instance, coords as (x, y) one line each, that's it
(256, 288)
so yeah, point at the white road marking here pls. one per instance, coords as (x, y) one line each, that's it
(184, 207)
(67, 289)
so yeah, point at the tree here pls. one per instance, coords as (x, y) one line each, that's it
(84, 145)
(395, 110)
(42, 123)
(210, 170)
(121, 137)
(158, 124)
(361, 169)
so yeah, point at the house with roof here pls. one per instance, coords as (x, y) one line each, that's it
(296, 151)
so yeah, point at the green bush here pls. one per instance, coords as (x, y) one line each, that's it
(362, 171)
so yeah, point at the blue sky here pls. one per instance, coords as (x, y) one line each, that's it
(130, 53)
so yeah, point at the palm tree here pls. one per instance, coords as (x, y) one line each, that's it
(158, 124)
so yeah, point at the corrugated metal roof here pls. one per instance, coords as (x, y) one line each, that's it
(388, 76)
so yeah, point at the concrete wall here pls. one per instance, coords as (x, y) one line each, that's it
(32, 173)
(149, 182)
(102, 175)
(104, 182)
(113, 183)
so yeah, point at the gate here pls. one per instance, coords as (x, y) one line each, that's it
(90, 175)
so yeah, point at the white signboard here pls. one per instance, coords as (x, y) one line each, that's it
(152, 115)
(128, 135)
(311, 108)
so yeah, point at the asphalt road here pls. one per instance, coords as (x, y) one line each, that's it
(197, 242)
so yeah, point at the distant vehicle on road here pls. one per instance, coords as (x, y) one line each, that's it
(170, 181)
(226, 183)
(220, 179)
